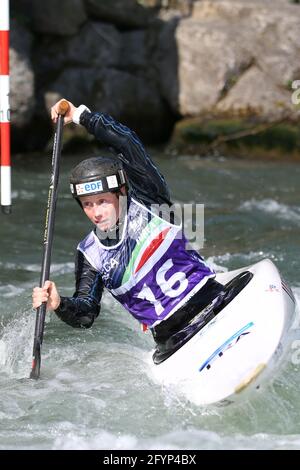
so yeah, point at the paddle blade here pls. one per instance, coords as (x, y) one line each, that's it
(38, 340)
(36, 363)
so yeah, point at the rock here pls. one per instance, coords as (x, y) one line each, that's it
(74, 84)
(22, 99)
(149, 67)
(255, 94)
(166, 59)
(96, 45)
(123, 13)
(215, 50)
(59, 17)
(204, 70)
(277, 46)
(134, 52)
(135, 101)
(132, 99)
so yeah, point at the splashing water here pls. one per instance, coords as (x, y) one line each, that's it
(16, 344)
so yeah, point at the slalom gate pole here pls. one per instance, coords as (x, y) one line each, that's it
(5, 164)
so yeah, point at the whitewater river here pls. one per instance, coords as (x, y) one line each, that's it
(96, 389)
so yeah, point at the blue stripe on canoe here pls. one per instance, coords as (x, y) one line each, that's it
(220, 348)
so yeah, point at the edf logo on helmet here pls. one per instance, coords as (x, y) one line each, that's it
(86, 188)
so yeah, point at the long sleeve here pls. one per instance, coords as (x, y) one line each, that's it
(146, 182)
(82, 309)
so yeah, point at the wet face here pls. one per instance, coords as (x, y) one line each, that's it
(101, 209)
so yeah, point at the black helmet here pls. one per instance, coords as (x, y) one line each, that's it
(97, 175)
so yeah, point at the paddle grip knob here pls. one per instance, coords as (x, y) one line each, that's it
(63, 107)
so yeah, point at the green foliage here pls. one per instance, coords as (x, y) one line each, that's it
(241, 136)
(282, 137)
(196, 132)
(288, 84)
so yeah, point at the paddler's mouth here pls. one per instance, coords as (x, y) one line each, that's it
(102, 223)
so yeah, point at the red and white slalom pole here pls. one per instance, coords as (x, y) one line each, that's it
(5, 174)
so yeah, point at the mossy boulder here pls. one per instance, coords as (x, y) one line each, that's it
(241, 137)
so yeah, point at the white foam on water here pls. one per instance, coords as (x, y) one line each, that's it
(245, 259)
(179, 439)
(65, 435)
(296, 291)
(296, 324)
(62, 268)
(77, 439)
(57, 268)
(213, 264)
(23, 194)
(10, 290)
(16, 341)
(271, 206)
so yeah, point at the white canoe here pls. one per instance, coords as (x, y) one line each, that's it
(239, 345)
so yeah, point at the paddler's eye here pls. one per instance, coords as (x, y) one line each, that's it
(101, 202)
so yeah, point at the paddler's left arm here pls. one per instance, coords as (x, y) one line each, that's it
(147, 184)
(80, 310)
